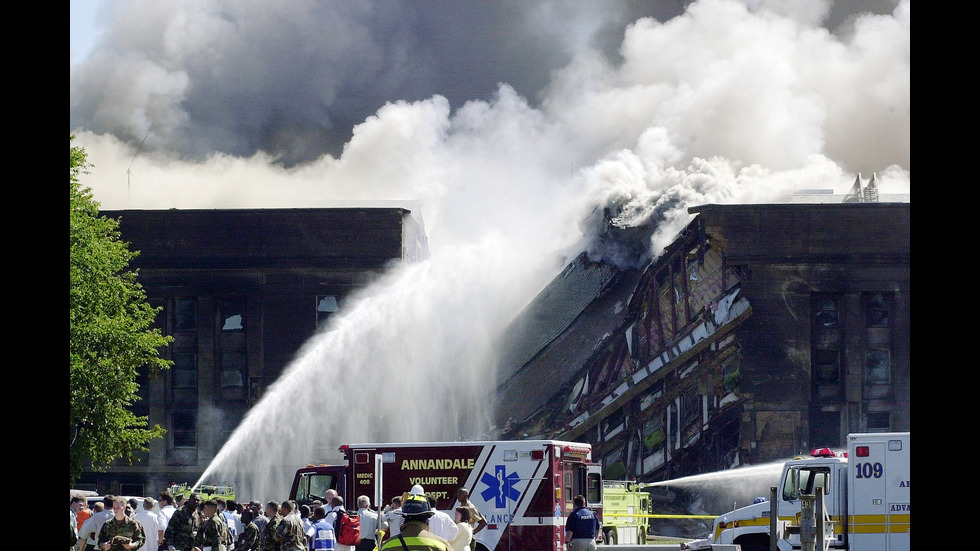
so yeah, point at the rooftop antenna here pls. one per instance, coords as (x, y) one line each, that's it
(854, 196)
(129, 170)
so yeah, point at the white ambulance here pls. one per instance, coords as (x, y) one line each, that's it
(865, 494)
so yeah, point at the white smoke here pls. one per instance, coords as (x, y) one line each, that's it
(723, 104)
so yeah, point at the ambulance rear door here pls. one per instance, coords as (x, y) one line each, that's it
(879, 492)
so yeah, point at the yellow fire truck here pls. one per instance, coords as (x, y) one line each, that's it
(625, 510)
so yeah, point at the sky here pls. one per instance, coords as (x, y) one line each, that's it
(519, 130)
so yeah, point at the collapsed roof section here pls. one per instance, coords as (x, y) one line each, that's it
(549, 342)
(597, 336)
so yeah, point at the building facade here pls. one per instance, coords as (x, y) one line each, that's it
(240, 291)
(761, 332)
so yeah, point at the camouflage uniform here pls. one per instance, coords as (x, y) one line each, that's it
(248, 540)
(214, 534)
(291, 534)
(122, 531)
(271, 538)
(180, 530)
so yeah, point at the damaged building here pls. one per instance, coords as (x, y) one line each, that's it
(760, 332)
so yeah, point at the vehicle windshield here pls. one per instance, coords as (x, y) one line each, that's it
(314, 486)
(805, 480)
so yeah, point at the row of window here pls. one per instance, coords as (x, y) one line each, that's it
(828, 342)
(180, 319)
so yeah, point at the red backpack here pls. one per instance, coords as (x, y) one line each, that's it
(347, 527)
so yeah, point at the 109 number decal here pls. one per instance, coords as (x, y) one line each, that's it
(868, 470)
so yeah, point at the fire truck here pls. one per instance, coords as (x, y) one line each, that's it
(866, 492)
(524, 489)
(625, 512)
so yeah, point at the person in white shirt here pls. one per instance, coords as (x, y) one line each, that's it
(151, 525)
(465, 534)
(167, 508)
(392, 518)
(103, 517)
(441, 524)
(337, 507)
(328, 500)
(369, 524)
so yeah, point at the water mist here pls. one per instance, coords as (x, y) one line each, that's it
(408, 359)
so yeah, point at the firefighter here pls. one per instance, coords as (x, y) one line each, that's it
(414, 535)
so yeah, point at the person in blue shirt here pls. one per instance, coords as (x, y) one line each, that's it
(581, 527)
(321, 534)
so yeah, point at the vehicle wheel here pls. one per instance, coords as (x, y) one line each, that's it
(609, 537)
(754, 543)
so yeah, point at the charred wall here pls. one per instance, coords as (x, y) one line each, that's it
(794, 259)
(761, 331)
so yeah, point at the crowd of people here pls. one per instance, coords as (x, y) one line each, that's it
(410, 521)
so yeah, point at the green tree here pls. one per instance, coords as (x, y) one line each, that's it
(110, 334)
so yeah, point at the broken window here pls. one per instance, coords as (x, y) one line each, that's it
(825, 428)
(183, 373)
(826, 365)
(185, 314)
(184, 370)
(232, 315)
(704, 281)
(183, 425)
(651, 395)
(690, 406)
(731, 377)
(877, 367)
(653, 436)
(614, 424)
(653, 433)
(325, 306)
(232, 369)
(575, 396)
(232, 358)
(827, 348)
(826, 314)
(614, 465)
(879, 421)
(876, 311)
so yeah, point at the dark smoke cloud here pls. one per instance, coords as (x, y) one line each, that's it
(292, 78)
